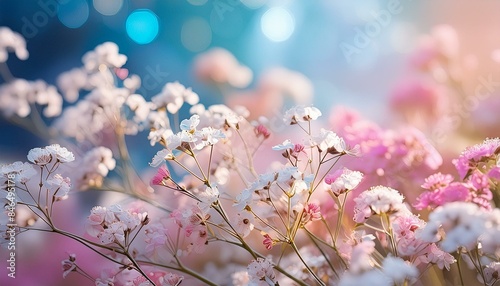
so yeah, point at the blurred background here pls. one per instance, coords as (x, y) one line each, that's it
(385, 59)
(314, 38)
(317, 39)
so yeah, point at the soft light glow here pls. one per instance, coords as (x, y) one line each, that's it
(108, 7)
(197, 2)
(277, 24)
(254, 4)
(73, 14)
(403, 37)
(142, 26)
(196, 34)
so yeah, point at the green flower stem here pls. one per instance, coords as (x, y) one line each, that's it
(294, 247)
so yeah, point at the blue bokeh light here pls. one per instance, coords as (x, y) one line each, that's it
(142, 26)
(73, 14)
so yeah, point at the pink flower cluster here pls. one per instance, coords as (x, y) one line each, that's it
(478, 166)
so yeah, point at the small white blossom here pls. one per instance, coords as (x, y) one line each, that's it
(245, 223)
(301, 114)
(462, 222)
(61, 153)
(399, 270)
(40, 156)
(60, 185)
(261, 270)
(343, 180)
(377, 200)
(12, 41)
(287, 144)
(105, 54)
(173, 96)
(329, 141)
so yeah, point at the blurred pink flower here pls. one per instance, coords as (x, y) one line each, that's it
(221, 67)
(421, 103)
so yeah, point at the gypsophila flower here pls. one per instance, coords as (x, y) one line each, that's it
(106, 55)
(245, 223)
(17, 95)
(377, 200)
(268, 241)
(60, 153)
(71, 82)
(208, 197)
(162, 175)
(311, 213)
(491, 273)
(96, 165)
(399, 270)
(170, 279)
(435, 255)
(461, 222)
(261, 271)
(473, 155)
(173, 96)
(60, 185)
(12, 41)
(361, 259)
(328, 141)
(69, 265)
(22, 172)
(39, 156)
(301, 114)
(343, 180)
(160, 157)
(373, 277)
(287, 144)
(490, 243)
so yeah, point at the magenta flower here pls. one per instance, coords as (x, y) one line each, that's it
(268, 241)
(261, 130)
(162, 175)
(471, 156)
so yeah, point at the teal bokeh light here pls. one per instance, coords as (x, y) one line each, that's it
(73, 14)
(142, 26)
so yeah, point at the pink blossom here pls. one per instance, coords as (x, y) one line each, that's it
(471, 156)
(437, 256)
(437, 181)
(268, 241)
(221, 67)
(261, 130)
(69, 265)
(170, 279)
(311, 213)
(161, 177)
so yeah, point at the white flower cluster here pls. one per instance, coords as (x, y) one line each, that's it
(188, 139)
(378, 200)
(96, 164)
(12, 41)
(18, 96)
(113, 224)
(220, 116)
(463, 224)
(173, 96)
(261, 273)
